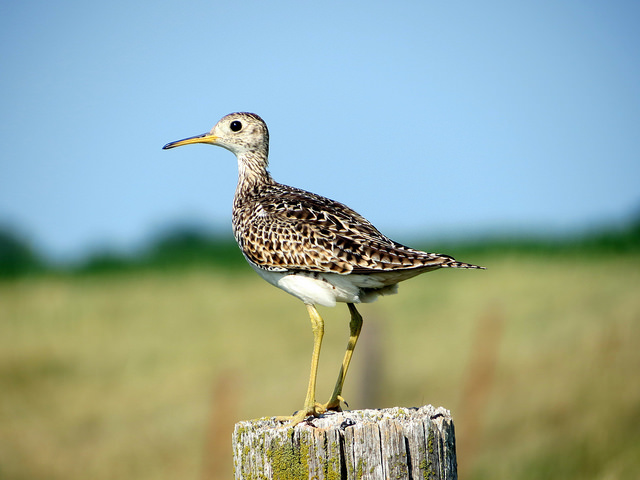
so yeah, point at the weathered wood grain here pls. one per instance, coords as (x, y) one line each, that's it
(394, 443)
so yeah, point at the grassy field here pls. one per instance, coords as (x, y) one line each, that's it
(142, 376)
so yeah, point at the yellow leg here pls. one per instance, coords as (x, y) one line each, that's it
(355, 326)
(310, 406)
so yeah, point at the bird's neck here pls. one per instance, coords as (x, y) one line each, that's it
(252, 172)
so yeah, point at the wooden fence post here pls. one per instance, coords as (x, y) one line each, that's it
(394, 443)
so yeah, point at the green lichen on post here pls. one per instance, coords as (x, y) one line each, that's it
(360, 468)
(289, 462)
(426, 466)
(239, 432)
(398, 467)
(332, 472)
(252, 476)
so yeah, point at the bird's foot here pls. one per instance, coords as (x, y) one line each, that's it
(308, 411)
(334, 404)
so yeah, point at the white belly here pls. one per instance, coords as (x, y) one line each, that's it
(328, 288)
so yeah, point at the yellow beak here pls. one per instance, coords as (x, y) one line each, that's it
(204, 138)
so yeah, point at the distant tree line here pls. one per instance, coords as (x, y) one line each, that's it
(17, 257)
(179, 248)
(192, 247)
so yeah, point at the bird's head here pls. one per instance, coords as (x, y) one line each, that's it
(237, 132)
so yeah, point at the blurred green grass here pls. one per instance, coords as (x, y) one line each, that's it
(141, 374)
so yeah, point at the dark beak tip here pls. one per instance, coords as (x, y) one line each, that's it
(184, 141)
(169, 146)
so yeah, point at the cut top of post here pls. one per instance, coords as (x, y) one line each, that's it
(363, 444)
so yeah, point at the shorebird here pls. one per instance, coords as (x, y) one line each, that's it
(314, 248)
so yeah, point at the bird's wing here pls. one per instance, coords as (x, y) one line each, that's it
(297, 230)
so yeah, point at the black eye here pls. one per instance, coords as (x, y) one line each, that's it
(235, 126)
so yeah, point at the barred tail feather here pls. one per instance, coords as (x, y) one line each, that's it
(455, 264)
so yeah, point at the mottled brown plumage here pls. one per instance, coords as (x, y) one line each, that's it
(284, 228)
(314, 248)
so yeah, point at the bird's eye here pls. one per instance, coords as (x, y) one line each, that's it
(235, 126)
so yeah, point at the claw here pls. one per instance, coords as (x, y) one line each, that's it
(301, 415)
(334, 404)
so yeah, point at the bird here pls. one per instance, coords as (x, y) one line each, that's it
(314, 248)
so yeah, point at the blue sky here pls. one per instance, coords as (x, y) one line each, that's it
(429, 118)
